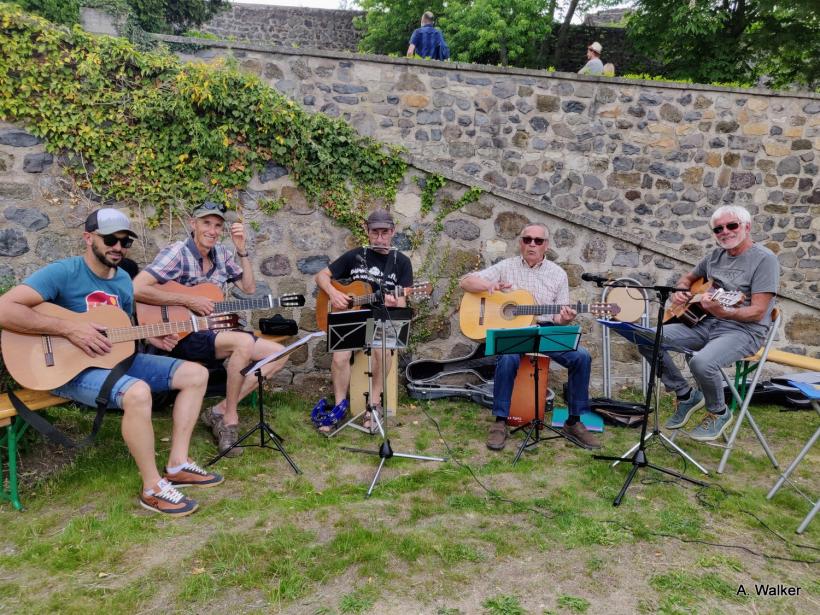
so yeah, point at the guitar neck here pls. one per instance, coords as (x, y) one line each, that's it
(536, 310)
(130, 334)
(237, 305)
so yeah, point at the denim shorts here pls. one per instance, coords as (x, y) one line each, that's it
(155, 370)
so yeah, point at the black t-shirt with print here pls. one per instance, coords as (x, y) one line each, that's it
(392, 269)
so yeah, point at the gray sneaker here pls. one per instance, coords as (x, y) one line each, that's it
(685, 409)
(226, 436)
(712, 426)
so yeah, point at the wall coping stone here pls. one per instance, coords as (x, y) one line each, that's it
(480, 68)
(578, 219)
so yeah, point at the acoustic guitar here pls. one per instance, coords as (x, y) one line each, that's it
(514, 309)
(690, 313)
(361, 293)
(44, 362)
(156, 314)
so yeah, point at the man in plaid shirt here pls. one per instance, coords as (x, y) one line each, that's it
(548, 284)
(202, 258)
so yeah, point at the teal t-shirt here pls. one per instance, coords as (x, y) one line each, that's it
(69, 283)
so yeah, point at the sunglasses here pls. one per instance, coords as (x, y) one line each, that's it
(112, 240)
(732, 226)
(211, 206)
(539, 241)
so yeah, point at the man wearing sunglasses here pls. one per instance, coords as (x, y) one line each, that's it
(727, 334)
(78, 284)
(547, 282)
(203, 258)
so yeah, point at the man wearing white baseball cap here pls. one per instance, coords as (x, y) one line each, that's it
(79, 284)
(594, 66)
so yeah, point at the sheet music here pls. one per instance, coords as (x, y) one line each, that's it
(286, 350)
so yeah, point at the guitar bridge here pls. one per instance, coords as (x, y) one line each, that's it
(48, 351)
(482, 310)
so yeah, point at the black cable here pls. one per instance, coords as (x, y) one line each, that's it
(495, 495)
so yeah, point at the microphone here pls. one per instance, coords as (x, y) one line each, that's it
(598, 279)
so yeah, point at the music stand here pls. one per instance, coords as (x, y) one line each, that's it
(638, 459)
(643, 336)
(396, 323)
(531, 341)
(266, 433)
(348, 331)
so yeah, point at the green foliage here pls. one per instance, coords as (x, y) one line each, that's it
(389, 23)
(503, 605)
(151, 131)
(506, 32)
(573, 604)
(708, 40)
(173, 16)
(430, 186)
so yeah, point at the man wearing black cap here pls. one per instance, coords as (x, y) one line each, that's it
(78, 284)
(383, 267)
(203, 258)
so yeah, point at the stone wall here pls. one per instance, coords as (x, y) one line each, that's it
(42, 215)
(644, 162)
(287, 26)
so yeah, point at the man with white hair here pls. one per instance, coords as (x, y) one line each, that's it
(594, 66)
(727, 334)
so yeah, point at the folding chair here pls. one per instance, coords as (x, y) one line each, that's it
(812, 392)
(742, 392)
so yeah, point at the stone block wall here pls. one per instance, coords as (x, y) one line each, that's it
(645, 162)
(43, 212)
(287, 26)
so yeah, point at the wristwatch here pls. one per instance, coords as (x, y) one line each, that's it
(242, 254)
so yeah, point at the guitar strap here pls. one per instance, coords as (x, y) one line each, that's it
(55, 435)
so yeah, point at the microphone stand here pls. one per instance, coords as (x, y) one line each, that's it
(638, 458)
(385, 452)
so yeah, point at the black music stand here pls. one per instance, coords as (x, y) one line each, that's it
(347, 331)
(638, 459)
(387, 325)
(642, 336)
(266, 433)
(531, 341)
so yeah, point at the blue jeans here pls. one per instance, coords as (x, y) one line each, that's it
(578, 364)
(155, 370)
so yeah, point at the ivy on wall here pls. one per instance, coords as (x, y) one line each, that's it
(144, 128)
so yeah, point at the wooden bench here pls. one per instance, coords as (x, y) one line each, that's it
(15, 428)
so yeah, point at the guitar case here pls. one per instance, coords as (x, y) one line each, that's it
(470, 377)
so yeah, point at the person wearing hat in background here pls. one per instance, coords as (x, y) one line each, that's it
(384, 268)
(594, 66)
(203, 258)
(78, 284)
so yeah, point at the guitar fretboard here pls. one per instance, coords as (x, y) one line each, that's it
(521, 310)
(238, 305)
(128, 334)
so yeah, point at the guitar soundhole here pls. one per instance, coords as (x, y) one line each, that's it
(507, 311)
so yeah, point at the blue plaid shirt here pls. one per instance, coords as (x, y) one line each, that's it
(181, 262)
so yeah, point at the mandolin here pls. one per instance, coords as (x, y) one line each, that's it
(156, 314)
(361, 293)
(690, 313)
(45, 362)
(513, 309)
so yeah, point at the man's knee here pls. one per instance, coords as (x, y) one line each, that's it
(190, 375)
(137, 398)
(701, 366)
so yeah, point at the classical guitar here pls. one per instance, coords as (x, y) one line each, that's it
(690, 313)
(44, 362)
(155, 314)
(361, 293)
(513, 309)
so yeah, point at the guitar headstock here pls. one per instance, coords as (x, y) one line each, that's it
(604, 309)
(223, 321)
(291, 300)
(420, 289)
(727, 298)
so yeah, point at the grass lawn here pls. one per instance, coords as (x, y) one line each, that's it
(472, 535)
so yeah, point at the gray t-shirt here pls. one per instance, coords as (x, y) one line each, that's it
(756, 270)
(593, 67)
